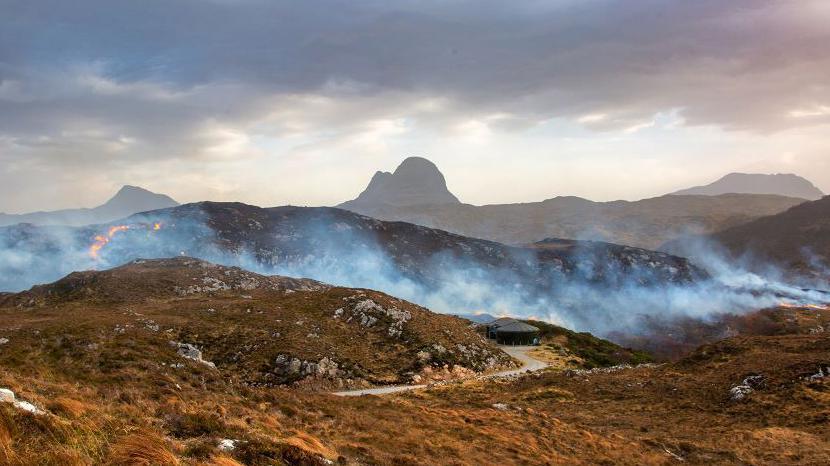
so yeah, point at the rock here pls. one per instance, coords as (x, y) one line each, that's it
(739, 392)
(746, 387)
(3, 341)
(501, 406)
(6, 395)
(227, 445)
(186, 350)
(822, 373)
(28, 407)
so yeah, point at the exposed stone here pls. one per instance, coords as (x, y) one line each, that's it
(6, 395)
(746, 387)
(227, 445)
(186, 350)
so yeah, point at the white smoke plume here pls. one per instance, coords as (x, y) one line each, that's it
(617, 302)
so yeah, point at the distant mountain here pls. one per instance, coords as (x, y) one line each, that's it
(417, 193)
(127, 201)
(416, 181)
(783, 185)
(797, 239)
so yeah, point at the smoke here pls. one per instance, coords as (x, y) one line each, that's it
(596, 288)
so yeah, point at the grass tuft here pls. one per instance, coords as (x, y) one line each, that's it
(144, 448)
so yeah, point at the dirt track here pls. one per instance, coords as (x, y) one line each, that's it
(529, 364)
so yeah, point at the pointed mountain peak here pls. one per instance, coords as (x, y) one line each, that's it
(416, 181)
(136, 199)
(129, 190)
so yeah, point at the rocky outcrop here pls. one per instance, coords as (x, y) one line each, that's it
(416, 181)
(188, 351)
(746, 387)
(8, 396)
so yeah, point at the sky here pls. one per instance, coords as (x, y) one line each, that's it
(299, 102)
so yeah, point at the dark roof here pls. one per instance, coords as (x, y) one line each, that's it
(516, 327)
(502, 321)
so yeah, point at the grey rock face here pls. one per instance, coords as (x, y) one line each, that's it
(186, 350)
(416, 181)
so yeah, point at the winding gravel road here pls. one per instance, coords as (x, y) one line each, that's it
(529, 364)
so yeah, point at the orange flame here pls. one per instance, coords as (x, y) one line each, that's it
(102, 240)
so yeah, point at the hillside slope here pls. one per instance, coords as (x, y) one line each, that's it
(798, 240)
(337, 246)
(98, 382)
(259, 330)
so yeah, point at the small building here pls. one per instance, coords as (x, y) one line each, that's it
(492, 326)
(517, 334)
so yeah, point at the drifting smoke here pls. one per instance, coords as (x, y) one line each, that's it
(598, 294)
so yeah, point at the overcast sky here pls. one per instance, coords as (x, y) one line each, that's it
(276, 102)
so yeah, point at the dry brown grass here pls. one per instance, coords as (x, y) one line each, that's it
(7, 455)
(68, 407)
(143, 448)
(222, 460)
(123, 399)
(310, 444)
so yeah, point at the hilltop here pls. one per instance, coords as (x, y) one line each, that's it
(416, 181)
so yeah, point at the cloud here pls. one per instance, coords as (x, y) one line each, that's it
(110, 84)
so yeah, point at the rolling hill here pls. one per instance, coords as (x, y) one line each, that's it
(259, 330)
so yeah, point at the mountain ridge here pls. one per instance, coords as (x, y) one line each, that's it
(127, 201)
(782, 184)
(646, 223)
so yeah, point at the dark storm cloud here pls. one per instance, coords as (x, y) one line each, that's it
(120, 80)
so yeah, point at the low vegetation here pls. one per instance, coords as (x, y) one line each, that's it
(584, 349)
(106, 386)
